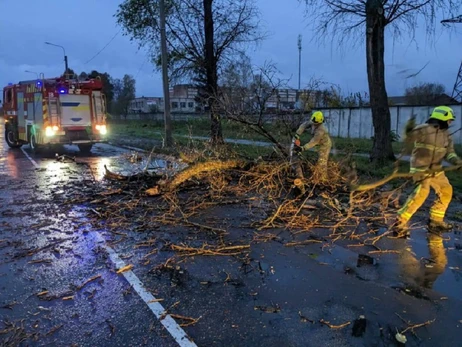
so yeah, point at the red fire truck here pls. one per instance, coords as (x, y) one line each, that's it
(46, 112)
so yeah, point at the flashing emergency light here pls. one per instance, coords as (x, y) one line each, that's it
(10, 84)
(62, 91)
(38, 84)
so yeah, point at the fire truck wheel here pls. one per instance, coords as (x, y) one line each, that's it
(33, 144)
(10, 139)
(85, 147)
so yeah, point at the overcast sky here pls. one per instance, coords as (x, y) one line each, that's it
(84, 27)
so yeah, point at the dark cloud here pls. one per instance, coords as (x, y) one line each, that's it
(84, 27)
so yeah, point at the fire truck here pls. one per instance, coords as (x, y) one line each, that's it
(53, 111)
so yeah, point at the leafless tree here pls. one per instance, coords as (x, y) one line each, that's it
(201, 36)
(424, 93)
(354, 18)
(253, 96)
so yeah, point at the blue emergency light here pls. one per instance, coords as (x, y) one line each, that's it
(62, 91)
(38, 84)
(10, 84)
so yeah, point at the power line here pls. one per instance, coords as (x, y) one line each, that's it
(102, 49)
(141, 67)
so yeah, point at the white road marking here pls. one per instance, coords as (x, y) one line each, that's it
(178, 334)
(159, 311)
(30, 158)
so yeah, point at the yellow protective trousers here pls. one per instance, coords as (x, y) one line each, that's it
(443, 191)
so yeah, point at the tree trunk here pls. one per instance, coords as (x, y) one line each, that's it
(375, 48)
(216, 135)
(165, 84)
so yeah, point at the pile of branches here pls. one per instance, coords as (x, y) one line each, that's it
(151, 199)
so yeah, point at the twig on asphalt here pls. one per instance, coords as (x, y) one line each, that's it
(189, 320)
(304, 319)
(88, 281)
(209, 250)
(411, 326)
(301, 243)
(332, 326)
(384, 251)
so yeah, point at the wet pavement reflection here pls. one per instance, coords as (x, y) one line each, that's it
(48, 247)
(48, 252)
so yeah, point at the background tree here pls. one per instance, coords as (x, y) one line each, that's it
(236, 79)
(108, 85)
(341, 18)
(256, 91)
(201, 35)
(69, 73)
(424, 93)
(124, 93)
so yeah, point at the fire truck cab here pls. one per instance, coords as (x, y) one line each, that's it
(47, 112)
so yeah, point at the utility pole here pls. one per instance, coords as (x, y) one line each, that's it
(163, 47)
(299, 60)
(457, 90)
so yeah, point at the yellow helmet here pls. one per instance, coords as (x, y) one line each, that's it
(317, 117)
(443, 113)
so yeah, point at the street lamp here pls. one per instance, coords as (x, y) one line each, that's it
(36, 73)
(64, 51)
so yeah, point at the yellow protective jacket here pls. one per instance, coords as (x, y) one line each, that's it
(432, 145)
(320, 138)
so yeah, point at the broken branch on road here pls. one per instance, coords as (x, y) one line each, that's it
(209, 250)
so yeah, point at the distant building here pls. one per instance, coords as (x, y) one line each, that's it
(146, 105)
(184, 98)
(442, 99)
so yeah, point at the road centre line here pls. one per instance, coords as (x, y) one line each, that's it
(178, 334)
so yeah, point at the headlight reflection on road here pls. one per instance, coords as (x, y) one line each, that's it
(55, 173)
(100, 171)
(11, 164)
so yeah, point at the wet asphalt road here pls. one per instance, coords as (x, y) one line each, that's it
(48, 248)
(275, 296)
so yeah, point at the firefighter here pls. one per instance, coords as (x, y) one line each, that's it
(431, 145)
(320, 138)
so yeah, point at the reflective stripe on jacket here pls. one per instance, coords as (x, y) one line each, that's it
(320, 138)
(432, 145)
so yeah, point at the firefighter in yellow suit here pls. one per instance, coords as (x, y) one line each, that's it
(431, 145)
(321, 139)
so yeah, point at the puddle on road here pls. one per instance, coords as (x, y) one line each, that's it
(425, 261)
(118, 160)
(430, 264)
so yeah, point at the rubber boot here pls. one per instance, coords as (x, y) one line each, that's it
(438, 227)
(401, 229)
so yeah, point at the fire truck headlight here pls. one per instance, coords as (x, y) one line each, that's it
(97, 126)
(102, 129)
(49, 131)
(55, 128)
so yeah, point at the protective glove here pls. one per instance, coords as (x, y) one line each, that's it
(298, 149)
(419, 177)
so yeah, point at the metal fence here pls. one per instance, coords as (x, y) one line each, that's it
(351, 122)
(357, 122)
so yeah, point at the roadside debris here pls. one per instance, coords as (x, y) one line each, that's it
(359, 326)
